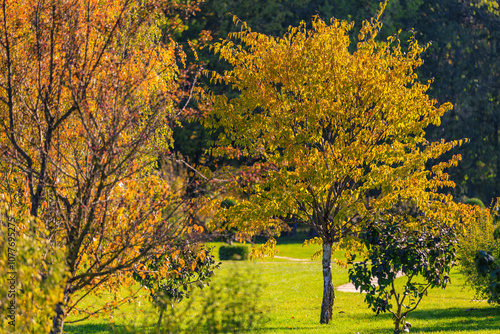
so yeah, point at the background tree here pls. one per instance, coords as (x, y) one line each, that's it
(344, 131)
(88, 92)
(462, 59)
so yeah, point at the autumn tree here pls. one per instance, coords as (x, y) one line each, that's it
(462, 57)
(341, 133)
(88, 91)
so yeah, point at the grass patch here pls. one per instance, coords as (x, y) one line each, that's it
(292, 299)
(285, 249)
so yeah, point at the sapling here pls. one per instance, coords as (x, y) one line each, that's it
(427, 253)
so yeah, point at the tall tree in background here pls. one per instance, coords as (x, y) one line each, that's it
(87, 96)
(464, 61)
(341, 133)
(462, 58)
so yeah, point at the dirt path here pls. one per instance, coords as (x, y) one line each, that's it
(292, 259)
(349, 287)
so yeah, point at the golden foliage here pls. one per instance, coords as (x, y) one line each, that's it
(344, 130)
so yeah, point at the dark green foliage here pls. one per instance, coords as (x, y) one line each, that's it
(227, 203)
(489, 267)
(485, 262)
(392, 248)
(234, 252)
(463, 60)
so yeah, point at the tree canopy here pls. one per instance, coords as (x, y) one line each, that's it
(88, 94)
(341, 134)
(462, 59)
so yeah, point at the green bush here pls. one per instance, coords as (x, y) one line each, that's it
(489, 267)
(479, 237)
(474, 201)
(227, 203)
(31, 271)
(393, 248)
(231, 304)
(234, 252)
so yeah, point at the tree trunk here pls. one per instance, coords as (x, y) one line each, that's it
(60, 310)
(328, 291)
(397, 323)
(158, 325)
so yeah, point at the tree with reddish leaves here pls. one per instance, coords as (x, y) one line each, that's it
(88, 93)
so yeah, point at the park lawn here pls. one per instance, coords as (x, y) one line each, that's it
(285, 249)
(291, 301)
(442, 311)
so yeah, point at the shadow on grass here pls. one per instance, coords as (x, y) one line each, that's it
(86, 328)
(450, 320)
(105, 329)
(121, 329)
(459, 318)
(443, 320)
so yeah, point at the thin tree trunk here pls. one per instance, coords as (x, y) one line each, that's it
(328, 291)
(60, 314)
(397, 321)
(158, 325)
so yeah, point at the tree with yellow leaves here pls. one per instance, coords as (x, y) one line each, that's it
(341, 133)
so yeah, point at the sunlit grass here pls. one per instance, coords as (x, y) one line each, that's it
(292, 250)
(292, 300)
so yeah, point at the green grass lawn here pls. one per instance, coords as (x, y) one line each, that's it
(285, 249)
(291, 298)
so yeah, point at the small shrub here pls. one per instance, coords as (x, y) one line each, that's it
(392, 248)
(489, 267)
(230, 304)
(186, 268)
(479, 237)
(234, 252)
(31, 271)
(474, 201)
(227, 203)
